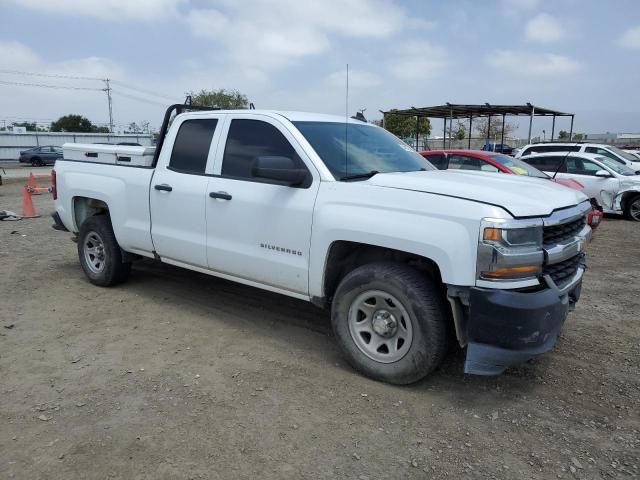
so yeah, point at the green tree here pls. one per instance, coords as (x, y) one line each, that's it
(404, 126)
(222, 98)
(458, 131)
(563, 135)
(578, 137)
(73, 123)
(481, 125)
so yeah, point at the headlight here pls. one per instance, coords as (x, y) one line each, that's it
(510, 249)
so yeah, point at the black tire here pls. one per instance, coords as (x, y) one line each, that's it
(112, 270)
(425, 306)
(35, 162)
(631, 208)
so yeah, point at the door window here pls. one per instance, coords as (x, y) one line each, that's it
(438, 160)
(546, 164)
(462, 162)
(249, 139)
(191, 147)
(578, 166)
(606, 153)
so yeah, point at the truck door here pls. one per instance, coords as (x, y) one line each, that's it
(178, 192)
(257, 229)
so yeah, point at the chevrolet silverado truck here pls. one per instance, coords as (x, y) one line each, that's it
(345, 215)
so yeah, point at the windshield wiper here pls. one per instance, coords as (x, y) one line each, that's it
(360, 176)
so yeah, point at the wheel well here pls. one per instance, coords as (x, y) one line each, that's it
(84, 207)
(345, 256)
(627, 196)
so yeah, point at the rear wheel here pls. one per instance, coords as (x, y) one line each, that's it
(390, 322)
(36, 162)
(99, 253)
(632, 209)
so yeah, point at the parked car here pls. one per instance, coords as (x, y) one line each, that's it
(39, 156)
(497, 162)
(615, 187)
(635, 153)
(402, 254)
(614, 153)
(498, 147)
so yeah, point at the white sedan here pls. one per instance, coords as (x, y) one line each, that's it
(615, 187)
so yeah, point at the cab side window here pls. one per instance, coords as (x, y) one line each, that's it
(191, 147)
(249, 139)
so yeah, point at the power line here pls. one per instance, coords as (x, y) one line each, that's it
(42, 85)
(50, 75)
(140, 99)
(142, 90)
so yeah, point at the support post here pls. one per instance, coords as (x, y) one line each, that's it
(450, 126)
(553, 127)
(469, 134)
(488, 136)
(533, 111)
(571, 129)
(444, 134)
(502, 136)
(417, 133)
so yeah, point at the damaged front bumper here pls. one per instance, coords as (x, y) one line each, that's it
(503, 328)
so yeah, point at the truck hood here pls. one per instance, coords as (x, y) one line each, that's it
(520, 196)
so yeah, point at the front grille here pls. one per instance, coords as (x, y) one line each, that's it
(562, 271)
(565, 231)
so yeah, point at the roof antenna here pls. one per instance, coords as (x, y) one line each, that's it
(346, 125)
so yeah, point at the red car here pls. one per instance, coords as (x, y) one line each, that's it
(483, 161)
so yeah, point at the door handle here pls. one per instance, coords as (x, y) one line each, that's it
(163, 187)
(220, 195)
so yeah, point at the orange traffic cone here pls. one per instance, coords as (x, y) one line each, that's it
(27, 204)
(31, 182)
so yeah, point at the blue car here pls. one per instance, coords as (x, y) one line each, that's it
(40, 156)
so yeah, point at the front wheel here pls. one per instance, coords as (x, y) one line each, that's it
(632, 209)
(99, 252)
(391, 322)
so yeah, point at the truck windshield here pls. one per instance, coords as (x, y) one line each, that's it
(353, 150)
(518, 167)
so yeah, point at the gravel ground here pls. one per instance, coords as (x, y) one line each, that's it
(180, 375)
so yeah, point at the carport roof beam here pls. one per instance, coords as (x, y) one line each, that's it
(465, 111)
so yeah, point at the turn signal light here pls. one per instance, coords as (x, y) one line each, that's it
(492, 234)
(512, 272)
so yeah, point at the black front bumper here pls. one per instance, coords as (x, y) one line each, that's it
(505, 327)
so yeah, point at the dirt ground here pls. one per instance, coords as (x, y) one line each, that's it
(180, 375)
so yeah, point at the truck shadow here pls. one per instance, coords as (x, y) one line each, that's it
(261, 312)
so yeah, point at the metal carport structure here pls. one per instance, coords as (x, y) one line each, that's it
(450, 111)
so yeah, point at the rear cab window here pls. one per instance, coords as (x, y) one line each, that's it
(191, 146)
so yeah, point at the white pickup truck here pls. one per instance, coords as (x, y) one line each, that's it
(345, 215)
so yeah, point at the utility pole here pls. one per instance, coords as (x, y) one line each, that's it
(108, 90)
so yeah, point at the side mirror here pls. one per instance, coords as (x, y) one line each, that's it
(280, 169)
(603, 174)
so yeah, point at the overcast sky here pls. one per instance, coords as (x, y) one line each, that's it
(580, 56)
